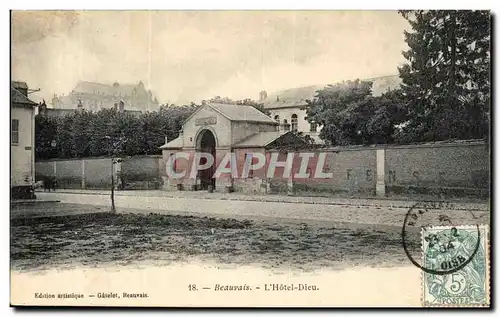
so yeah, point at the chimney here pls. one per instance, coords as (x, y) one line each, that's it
(79, 107)
(121, 108)
(21, 86)
(166, 139)
(263, 95)
(42, 109)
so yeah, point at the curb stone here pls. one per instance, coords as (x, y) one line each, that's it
(378, 203)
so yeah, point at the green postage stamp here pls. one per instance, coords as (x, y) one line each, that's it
(457, 265)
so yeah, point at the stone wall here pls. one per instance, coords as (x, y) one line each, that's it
(142, 172)
(460, 168)
(438, 169)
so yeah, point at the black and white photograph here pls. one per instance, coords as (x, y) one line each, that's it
(260, 158)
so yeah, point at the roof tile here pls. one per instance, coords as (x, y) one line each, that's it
(241, 113)
(18, 98)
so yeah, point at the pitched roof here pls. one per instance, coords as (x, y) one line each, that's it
(241, 113)
(236, 113)
(174, 144)
(296, 97)
(259, 139)
(383, 84)
(17, 97)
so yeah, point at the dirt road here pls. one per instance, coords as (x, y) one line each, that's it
(81, 238)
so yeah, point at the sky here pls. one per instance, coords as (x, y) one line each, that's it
(185, 56)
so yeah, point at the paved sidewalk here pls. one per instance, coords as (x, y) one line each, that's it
(397, 202)
(348, 212)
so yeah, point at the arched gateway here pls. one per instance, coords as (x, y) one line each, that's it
(206, 143)
(223, 131)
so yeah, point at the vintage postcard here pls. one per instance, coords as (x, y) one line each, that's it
(250, 158)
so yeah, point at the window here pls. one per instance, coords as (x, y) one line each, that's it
(249, 157)
(295, 123)
(313, 127)
(15, 131)
(277, 119)
(286, 126)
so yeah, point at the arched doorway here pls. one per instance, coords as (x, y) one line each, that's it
(206, 143)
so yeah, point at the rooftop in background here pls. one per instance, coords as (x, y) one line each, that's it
(116, 88)
(19, 94)
(296, 97)
(51, 112)
(95, 96)
(258, 139)
(19, 84)
(241, 113)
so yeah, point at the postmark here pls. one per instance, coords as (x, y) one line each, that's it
(431, 214)
(445, 248)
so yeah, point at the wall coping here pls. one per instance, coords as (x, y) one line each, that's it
(96, 158)
(440, 144)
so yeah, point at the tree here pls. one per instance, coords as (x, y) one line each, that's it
(446, 80)
(385, 118)
(80, 133)
(64, 137)
(174, 117)
(331, 108)
(45, 133)
(129, 127)
(349, 114)
(116, 145)
(103, 124)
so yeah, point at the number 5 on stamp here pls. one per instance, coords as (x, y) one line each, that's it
(458, 262)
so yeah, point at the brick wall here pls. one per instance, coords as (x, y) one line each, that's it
(69, 174)
(143, 172)
(352, 171)
(450, 167)
(98, 173)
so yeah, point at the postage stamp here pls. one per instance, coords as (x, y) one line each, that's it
(458, 262)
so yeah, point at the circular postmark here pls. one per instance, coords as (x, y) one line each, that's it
(441, 252)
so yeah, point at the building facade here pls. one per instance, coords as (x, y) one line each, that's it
(289, 107)
(95, 96)
(221, 130)
(22, 142)
(236, 136)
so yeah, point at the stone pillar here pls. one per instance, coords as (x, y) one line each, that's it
(183, 165)
(117, 169)
(224, 182)
(83, 174)
(380, 185)
(290, 179)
